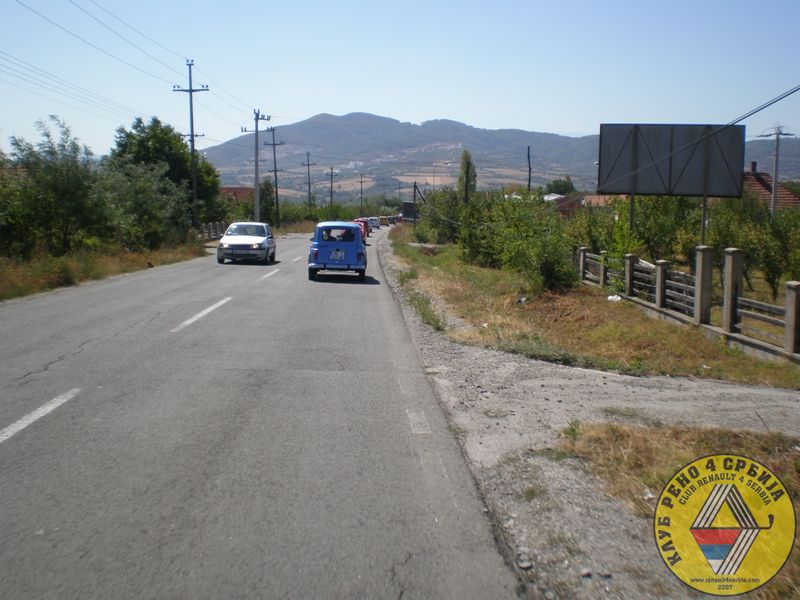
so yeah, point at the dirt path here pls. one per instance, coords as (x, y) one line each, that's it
(564, 535)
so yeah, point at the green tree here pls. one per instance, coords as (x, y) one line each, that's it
(142, 202)
(443, 210)
(266, 194)
(54, 193)
(560, 186)
(467, 177)
(154, 143)
(658, 223)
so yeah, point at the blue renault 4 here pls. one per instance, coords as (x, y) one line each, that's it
(337, 246)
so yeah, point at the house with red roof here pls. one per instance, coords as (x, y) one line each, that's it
(758, 185)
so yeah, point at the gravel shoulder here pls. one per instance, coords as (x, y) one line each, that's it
(564, 536)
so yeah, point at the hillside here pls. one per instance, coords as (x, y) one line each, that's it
(388, 153)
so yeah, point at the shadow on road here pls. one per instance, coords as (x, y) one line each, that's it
(344, 278)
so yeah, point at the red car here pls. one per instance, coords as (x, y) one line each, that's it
(364, 228)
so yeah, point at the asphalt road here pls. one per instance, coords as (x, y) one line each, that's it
(230, 431)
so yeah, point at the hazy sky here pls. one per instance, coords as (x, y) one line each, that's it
(563, 66)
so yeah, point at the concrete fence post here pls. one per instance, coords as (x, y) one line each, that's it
(603, 268)
(582, 262)
(661, 283)
(702, 285)
(630, 264)
(791, 336)
(732, 288)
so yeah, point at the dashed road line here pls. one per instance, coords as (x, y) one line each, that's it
(268, 274)
(418, 421)
(40, 412)
(201, 314)
(296, 259)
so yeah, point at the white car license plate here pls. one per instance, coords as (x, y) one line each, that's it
(337, 254)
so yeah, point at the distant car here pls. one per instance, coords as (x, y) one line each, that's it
(247, 241)
(364, 229)
(384, 220)
(337, 246)
(365, 221)
(399, 218)
(374, 222)
(392, 220)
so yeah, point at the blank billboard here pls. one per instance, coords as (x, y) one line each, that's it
(671, 160)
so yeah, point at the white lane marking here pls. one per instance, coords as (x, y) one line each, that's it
(201, 314)
(418, 422)
(40, 412)
(268, 274)
(296, 259)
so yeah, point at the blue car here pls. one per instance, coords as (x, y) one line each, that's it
(337, 246)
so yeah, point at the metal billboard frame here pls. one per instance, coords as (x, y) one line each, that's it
(671, 160)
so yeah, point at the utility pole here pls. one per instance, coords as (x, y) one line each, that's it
(529, 169)
(308, 164)
(257, 116)
(361, 195)
(777, 132)
(275, 172)
(330, 210)
(400, 192)
(191, 90)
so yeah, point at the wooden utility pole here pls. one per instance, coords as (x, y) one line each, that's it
(529, 169)
(308, 164)
(257, 117)
(275, 173)
(191, 90)
(331, 204)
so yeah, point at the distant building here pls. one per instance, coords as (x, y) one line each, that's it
(237, 192)
(759, 186)
(566, 205)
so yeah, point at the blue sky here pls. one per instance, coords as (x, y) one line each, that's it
(560, 67)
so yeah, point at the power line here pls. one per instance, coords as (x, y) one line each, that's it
(132, 28)
(122, 37)
(61, 81)
(95, 46)
(83, 110)
(222, 89)
(64, 90)
(236, 108)
(211, 110)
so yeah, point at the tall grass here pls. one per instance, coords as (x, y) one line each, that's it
(44, 272)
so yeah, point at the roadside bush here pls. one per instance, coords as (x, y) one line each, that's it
(525, 235)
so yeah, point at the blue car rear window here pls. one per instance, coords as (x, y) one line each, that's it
(337, 234)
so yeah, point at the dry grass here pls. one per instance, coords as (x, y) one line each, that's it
(578, 327)
(48, 272)
(636, 462)
(298, 227)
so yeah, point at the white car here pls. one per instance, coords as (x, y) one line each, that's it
(374, 223)
(247, 241)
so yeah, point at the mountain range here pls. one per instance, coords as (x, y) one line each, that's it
(387, 156)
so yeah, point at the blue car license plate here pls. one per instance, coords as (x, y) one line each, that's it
(337, 255)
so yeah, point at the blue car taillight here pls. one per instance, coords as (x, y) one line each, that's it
(360, 256)
(314, 254)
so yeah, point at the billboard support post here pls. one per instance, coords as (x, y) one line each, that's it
(706, 166)
(634, 168)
